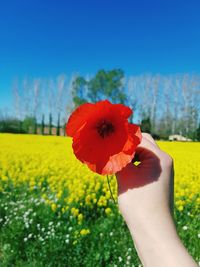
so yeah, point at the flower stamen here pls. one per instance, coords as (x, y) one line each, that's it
(105, 128)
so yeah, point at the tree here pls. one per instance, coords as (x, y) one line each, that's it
(190, 86)
(104, 85)
(36, 97)
(50, 124)
(79, 91)
(58, 125)
(198, 133)
(154, 89)
(42, 125)
(35, 127)
(132, 97)
(17, 104)
(146, 125)
(28, 124)
(10, 125)
(60, 99)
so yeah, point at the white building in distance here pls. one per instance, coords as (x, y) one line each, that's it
(178, 137)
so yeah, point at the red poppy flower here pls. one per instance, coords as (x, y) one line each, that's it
(102, 136)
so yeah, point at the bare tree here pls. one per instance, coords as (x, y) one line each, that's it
(36, 97)
(69, 104)
(132, 86)
(166, 110)
(59, 95)
(17, 100)
(195, 101)
(154, 91)
(144, 99)
(26, 98)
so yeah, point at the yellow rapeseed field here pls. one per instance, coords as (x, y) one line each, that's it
(48, 164)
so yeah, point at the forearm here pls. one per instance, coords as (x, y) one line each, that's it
(158, 244)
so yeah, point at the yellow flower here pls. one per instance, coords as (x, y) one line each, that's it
(88, 200)
(102, 201)
(59, 194)
(84, 232)
(80, 218)
(108, 211)
(74, 211)
(94, 200)
(180, 208)
(53, 206)
(4, 178)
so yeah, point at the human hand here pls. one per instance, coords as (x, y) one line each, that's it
(145, 198)
(146, 190)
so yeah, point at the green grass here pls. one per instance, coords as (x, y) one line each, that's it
(32, 235)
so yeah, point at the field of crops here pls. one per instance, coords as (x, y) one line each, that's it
(55, 212)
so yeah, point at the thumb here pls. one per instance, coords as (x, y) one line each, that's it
(146, 148)
(148, 153)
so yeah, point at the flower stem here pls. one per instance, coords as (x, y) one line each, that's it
(110, 190)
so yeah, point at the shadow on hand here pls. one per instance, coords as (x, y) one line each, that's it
(148, 171)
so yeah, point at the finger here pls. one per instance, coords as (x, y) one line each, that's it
(146, 149)
(150, 138)
(146, 152)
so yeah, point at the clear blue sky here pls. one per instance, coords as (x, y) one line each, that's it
(40, 38)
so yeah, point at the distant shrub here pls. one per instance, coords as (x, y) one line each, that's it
(11, 126)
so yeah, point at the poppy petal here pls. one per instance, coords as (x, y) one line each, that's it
(124, 111)
(90, 147)
(116, 163)
(78, 118)
(135, 132)
(120, 160)
(104, 107)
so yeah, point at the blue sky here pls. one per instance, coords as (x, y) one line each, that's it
(46, 38)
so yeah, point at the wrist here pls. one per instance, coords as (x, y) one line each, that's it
(157, 242)
(156, 227)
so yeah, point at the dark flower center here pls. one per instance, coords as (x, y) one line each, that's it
(105, 128)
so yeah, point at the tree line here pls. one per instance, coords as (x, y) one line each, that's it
(162, 104)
